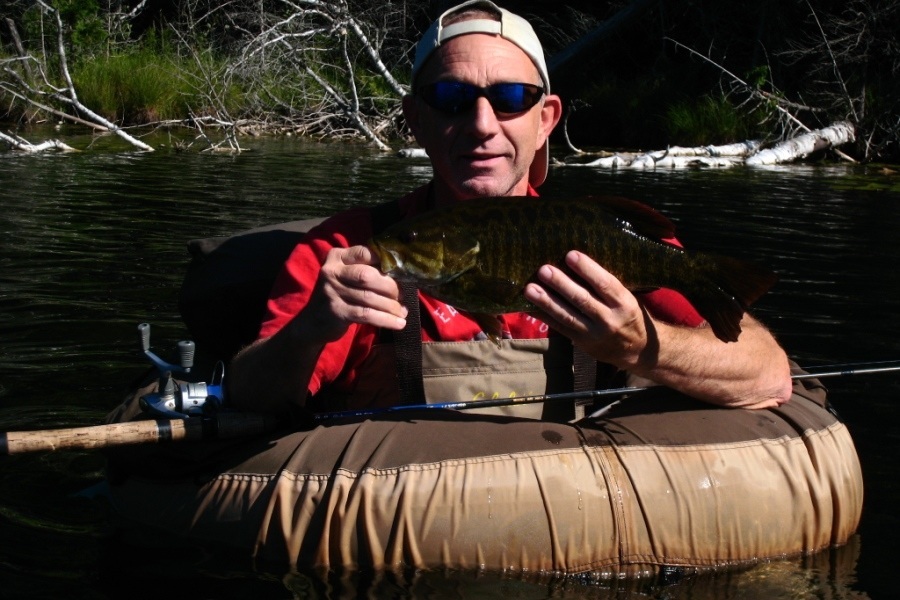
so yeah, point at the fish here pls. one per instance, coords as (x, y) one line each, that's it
(477, 255)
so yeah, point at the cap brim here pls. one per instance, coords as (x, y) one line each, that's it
(537, 174)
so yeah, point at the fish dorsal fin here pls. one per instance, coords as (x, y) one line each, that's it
(636, 216)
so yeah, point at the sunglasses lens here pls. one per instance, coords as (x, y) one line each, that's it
(451, 97)
(513, 97)
(454, 97)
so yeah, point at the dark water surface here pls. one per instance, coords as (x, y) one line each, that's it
(93, 243)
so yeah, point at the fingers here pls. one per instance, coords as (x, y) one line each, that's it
(591, 306)
(589, 294)
(351, 290)
(361, 255)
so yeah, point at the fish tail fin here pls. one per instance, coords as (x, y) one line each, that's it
(731, 286)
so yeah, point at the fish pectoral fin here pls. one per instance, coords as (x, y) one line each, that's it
(460, 253)
(504, 292)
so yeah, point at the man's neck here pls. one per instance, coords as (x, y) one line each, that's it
(443, 195)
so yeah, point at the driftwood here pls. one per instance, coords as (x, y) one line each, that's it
(676, 157)
(24, 145)
(748, 153)
(804, 145)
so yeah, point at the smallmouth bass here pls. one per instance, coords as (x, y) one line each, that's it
(477, 255)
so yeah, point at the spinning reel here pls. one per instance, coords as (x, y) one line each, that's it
(179, 400)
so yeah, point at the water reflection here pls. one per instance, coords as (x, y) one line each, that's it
(91, 244)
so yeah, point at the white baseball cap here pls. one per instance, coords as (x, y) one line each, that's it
(510, 27)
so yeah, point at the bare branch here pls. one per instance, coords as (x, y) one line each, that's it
(778, 103)
(837, 70)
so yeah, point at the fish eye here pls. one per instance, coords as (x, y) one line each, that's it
(409, 236)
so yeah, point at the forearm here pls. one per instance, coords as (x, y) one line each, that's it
(272, 375)
(750, 373)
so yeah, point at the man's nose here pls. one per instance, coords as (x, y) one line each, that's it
(484, 120)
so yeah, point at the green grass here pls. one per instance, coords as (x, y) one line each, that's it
(656, 110)
(136, 87)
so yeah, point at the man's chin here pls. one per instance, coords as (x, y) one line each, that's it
(481, 186)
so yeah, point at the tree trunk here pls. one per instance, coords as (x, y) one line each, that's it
(804, 145)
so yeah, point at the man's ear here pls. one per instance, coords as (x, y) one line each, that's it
(551, 112)
(411, 113)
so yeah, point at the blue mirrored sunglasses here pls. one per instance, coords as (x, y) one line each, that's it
(455, 97)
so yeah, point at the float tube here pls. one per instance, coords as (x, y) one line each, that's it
(660, 480)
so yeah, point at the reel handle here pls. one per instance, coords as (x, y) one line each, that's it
(186, 354)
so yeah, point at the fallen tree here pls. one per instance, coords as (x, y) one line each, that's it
(323, 69)
(305, 67)
(750, 153)
(23, 145)
(804, 145)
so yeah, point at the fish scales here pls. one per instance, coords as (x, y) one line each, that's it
(519, 240)
(479, 254)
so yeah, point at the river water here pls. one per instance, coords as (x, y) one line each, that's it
(93, 243)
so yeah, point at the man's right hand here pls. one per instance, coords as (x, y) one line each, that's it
(351, 289)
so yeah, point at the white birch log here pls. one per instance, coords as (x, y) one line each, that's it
(738, 149)
(26, 146)
(412, 153)
(608, 162)
(804, 145)
(725, 156)
(683, 162)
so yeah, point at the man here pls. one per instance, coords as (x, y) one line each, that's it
(482, 109)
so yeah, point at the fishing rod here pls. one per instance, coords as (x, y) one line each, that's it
(149, 431)
(189, 426)
(586, 397)
(850, 369)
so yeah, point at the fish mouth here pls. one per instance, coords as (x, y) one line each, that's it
(390, 260)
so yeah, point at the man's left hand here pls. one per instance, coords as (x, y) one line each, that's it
(593, 308)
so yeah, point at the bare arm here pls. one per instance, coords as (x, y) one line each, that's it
(274, 373)
(609, 323)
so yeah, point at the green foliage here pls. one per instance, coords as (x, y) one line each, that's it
(760, 77)
(84, 25)
(634, 89)
(713, 119)
(654, 111)
(142, 85)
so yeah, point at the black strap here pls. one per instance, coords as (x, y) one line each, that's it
(585, 371)
(408, 350)
(408, 341)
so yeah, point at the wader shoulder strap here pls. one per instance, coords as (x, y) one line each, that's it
(408, 350)
(584, 376)
(585, 371)
(408, 341)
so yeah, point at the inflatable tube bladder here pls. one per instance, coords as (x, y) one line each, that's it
(660, 479)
